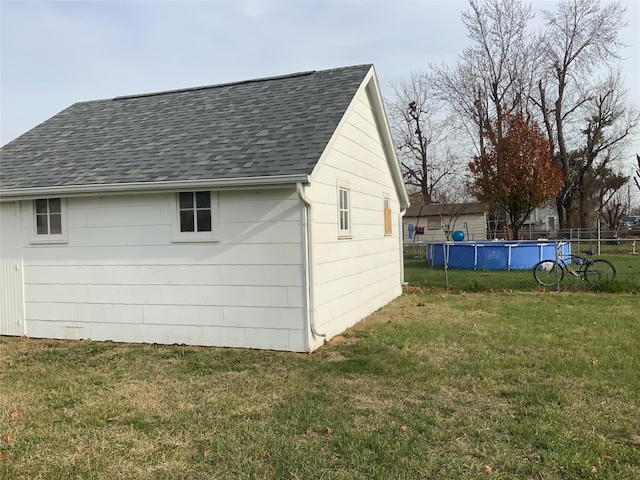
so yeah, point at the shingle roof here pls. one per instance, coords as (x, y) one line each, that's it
(264, 127)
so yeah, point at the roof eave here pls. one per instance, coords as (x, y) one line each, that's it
(115, 188)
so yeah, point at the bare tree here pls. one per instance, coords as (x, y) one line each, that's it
(581, 39)
(421, 134)
(636, 177)
(615, 204)
(492, 77)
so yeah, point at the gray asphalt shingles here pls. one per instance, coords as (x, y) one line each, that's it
(264, 127)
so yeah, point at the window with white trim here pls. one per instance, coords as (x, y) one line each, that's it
(49, 220)
(195, 211)
(195, 216)
(344, 211)
(48, 216)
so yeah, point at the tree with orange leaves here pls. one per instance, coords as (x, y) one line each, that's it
(517, 173)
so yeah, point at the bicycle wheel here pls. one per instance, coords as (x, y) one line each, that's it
(548, 272)
(600, 271)
(574, 264)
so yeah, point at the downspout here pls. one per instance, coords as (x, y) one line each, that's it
(400, 239)
(308, 259)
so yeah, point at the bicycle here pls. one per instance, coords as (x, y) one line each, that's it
(595, 272)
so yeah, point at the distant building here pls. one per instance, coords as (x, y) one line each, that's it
(436, 223)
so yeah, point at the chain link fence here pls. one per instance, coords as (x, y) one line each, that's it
(578, 262)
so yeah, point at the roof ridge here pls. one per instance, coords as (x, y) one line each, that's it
(240, 82)
(218, 85)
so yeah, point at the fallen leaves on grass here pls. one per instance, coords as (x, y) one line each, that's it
(4, 458)
(7, 438)
(327, 431)
(486, 469)
(411, 289)
(15, 415)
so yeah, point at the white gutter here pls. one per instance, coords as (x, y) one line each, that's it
(220, 183)
(308, 259)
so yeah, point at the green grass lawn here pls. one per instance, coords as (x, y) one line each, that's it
(418, 272)
(435, 385)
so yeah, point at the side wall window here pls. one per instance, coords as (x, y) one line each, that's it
(49, 220)
(48, 216)
(344, 211)
(195, 211)
(195, 217)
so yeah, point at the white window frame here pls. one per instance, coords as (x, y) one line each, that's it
(49, 238)
(344, 211)
(184, 237)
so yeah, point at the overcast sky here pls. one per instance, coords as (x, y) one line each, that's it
(55, 53)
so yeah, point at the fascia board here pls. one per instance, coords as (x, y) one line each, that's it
(387, 139)
(145, 187)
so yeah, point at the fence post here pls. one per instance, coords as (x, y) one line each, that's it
(445, 261)
(557, 245)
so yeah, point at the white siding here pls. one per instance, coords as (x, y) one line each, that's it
(11, 284)
(354, 276)
(474, 227)
(121, 278)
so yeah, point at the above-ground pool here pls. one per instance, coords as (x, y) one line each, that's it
(492, 255)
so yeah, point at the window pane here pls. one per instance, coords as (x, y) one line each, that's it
(203, 200)
(204, 220)
(41, 225)
(55, 221)
(54, 205)
(186, 221)
(186, 201)
(41, 206)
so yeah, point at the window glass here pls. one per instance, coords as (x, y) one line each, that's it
(41, 206)
(55, 224)
(48, 213)
(343, 210)
(54, 205)
(204, 220)
(186, 200)
(203, 200)
(42, 227)
(195, 211)
(186, 221)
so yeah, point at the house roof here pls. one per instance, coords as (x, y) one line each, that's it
(448, 209)
(269, 127)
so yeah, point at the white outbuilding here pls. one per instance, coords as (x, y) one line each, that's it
(259, 214)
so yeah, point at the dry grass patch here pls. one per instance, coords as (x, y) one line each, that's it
(435, 385)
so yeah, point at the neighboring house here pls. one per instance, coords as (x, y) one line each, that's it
(436, 223)
(259, 214)
(542, 220)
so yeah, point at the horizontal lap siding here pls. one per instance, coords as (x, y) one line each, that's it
(356, 276)
(473, 226)
(121, 278)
